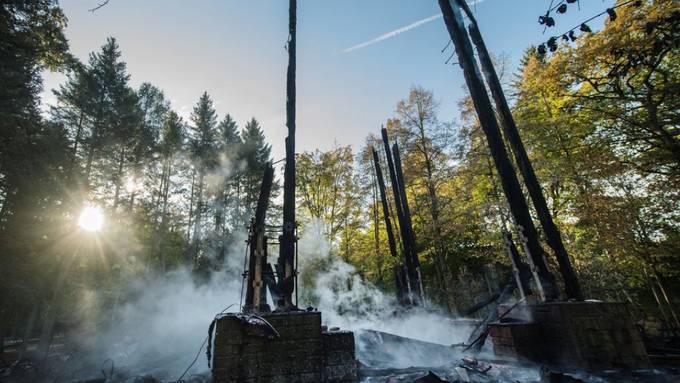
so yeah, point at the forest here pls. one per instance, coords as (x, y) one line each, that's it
(113, 183)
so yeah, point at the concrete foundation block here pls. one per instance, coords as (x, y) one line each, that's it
(588, 335)
(302, 353)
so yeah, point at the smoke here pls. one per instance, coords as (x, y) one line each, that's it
(350, 303)
(160, 329)
(164, 320)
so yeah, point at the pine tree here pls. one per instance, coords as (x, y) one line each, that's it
(227, 191)
(255, 153)
(115, 115)
(171, 142)
(73, 106)
(154, 109)
(203, 142)
(33, 156)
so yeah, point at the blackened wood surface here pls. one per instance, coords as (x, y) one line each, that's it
(552, 233)
(386, 209)
(256, 231)
(510, 183)
(287, 246)
(399, 208)
(414, 274)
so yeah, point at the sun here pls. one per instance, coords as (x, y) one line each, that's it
(131, 185)
(91, 218)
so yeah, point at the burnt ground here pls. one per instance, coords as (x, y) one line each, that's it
(382, 358)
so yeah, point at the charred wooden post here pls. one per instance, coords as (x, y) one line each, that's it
(520, 270)
(400, 216)
(398, 277)
(386, 209)
(511, 187)
(286, 262)
(417, 282)
(552, 233)
(256, 295)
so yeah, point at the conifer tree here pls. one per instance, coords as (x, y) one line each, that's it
(203, 146)
(115, 116)
(227, 191)
(255, 153)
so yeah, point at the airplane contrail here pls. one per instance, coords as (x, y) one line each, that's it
(397, 31)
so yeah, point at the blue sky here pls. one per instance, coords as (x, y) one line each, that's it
(234, 50)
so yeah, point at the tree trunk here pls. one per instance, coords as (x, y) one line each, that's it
(197, 216)
(76, 140)
(191, 203)
(88, 164)
(119, 176)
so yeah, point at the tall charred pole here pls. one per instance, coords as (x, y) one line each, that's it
(518, 206)
(386, 209)
(411, 276)
(286, 262)
(552, 233)
(417, 281)
(398, 272)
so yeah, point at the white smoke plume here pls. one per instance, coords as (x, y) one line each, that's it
(165, 319)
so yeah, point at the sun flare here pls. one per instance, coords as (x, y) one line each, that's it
(91, 218)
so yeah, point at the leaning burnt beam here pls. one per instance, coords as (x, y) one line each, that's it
(479, 334)
(400, 215)
(520, 270)
(256, 297)
(545, 280)
(552, 233)
(386, 209)
(481, 304)
(417, 283)
(398, 277)
(286, 262)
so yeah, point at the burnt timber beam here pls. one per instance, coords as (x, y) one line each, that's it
(286, 261)
(453, 19)
(520, 270)
(552, 233)
(256, 297)
(417, 283)
(400, 216)
(386, 209)
(398, 280)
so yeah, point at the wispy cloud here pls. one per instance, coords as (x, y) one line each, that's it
(398, 31)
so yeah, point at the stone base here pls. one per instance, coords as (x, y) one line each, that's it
(587, 335)
(302, 353)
